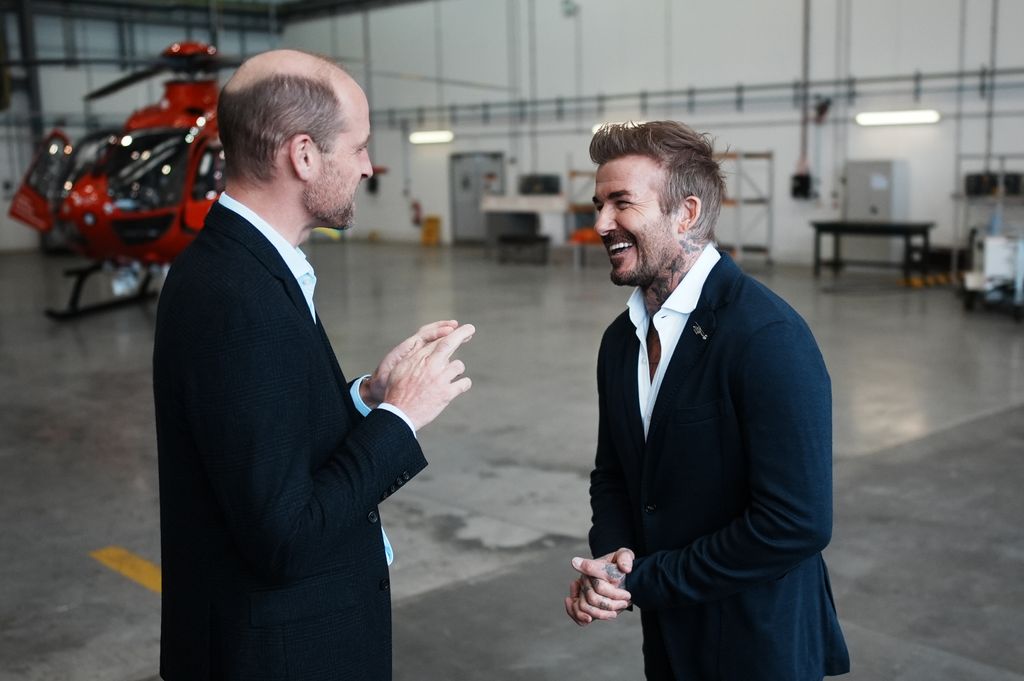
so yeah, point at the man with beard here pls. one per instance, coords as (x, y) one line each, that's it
(272, 465)
(712, 487)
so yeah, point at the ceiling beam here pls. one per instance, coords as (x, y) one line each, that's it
(298, 10)
(248, 16)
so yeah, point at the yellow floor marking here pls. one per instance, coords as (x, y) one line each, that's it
(131, 566)
(332, 234)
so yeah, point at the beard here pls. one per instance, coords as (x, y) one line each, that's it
(326, 201)
(654, 253)
(643, 274)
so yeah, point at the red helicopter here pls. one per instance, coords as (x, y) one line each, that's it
(131, 200)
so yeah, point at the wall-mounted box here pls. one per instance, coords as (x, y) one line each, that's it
(876, 191)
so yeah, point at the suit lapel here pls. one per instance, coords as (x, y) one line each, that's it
(631, 393)
(696, 337)
(237, 228)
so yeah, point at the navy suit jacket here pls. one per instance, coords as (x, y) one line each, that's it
(272, 558)
(728, 502)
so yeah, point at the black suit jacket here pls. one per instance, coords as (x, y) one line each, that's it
(272, 558)
(728, 502)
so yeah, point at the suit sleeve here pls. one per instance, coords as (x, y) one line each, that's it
(782, 395)
(249, 398)
(609, 500)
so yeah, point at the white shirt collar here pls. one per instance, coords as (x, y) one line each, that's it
(669, 321)
(293, 256)
(685, 296)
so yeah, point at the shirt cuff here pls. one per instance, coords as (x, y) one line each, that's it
(365, 410)
(357, 399)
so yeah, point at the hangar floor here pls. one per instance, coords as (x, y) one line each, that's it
(927, 553)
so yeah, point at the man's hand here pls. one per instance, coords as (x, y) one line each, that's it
(373, 390)
(598, 593)
(611, 568)
(427, 379)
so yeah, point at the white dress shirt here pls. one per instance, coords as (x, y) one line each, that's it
(669, 321)
(302, 270)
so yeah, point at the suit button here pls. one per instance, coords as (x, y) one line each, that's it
(650, 508)
(393, 489)
(372, 516)
(405, 476)
(385, 584)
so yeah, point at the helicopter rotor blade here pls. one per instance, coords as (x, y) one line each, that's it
(201, 63)
(124, 82)
(69, 62)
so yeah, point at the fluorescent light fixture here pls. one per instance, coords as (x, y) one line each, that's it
(432, 137)
(914, 117)
(598, 126)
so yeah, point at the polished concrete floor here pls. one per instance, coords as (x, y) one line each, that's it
(928, 551)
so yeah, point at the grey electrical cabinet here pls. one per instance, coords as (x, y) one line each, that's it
(876, 191)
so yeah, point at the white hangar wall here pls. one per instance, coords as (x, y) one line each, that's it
(462, 52)
(467, 52)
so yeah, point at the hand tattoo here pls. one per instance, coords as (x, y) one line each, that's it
(615, 575)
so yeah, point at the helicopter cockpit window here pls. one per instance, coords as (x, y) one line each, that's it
(209, 174)
(87, 152)
(47, 175)
(147, 171)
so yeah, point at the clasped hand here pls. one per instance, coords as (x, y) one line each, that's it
(597, 594)
(419, 375)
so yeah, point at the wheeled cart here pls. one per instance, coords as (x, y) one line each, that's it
(996, 279)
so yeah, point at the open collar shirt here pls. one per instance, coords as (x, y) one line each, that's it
(669, 321)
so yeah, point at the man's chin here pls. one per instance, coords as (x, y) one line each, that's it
(631, 278)
(339, 223)
(623, 278)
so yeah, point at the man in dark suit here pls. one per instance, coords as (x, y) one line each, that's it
(272, 465)
(712, 487)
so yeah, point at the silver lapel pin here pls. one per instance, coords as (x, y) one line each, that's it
(700, 332)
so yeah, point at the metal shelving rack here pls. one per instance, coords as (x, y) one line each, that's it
(580, 214)
(756, 194)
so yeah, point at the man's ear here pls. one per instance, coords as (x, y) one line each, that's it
(303, 157)
(688, 214)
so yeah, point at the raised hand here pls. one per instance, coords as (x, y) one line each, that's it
(427, 379)
(373, 390)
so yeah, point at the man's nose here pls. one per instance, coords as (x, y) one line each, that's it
(603, 224)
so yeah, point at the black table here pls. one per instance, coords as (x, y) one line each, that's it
(905, 230)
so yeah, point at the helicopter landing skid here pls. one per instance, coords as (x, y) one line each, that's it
(74, 310)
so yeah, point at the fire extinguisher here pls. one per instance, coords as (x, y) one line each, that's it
(417, 213)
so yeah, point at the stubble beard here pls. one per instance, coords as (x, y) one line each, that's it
(643, 275)
(654, 261)
(322, 202)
